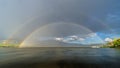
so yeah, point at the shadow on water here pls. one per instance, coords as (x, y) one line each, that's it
(61, 64)
(59, 58)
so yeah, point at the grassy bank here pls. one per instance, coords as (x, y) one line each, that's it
(114, 44)
(9, 45)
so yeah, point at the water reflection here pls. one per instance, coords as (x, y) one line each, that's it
(59, 58)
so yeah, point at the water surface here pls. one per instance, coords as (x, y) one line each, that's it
(65, 57)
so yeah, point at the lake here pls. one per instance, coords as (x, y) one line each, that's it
(56, 57)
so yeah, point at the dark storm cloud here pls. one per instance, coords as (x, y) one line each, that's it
(81, 12)
(88, 13)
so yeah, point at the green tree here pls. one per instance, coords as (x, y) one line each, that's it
(116, 42)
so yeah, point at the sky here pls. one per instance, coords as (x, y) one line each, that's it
(20, 18)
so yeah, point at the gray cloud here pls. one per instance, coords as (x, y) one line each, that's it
(88, 13)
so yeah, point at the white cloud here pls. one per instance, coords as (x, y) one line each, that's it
(74, 37)
(92, 34)
(59, 39)
(70, 39)
(108, 40)
(66, 41)
(81, 39)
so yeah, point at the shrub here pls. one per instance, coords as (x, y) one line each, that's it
(114, 43)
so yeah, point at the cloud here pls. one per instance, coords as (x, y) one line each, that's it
(81, 39)
(90, 38)
(70, 39)
(59, 39)
(92, 35)
(108, 40)
(88, 13)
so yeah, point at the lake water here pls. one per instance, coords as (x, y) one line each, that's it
(53, 57)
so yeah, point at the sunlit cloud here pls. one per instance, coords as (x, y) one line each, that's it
(90, 38)
(59, 39)
(108, 39)
(92, 34)
(81, 39)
